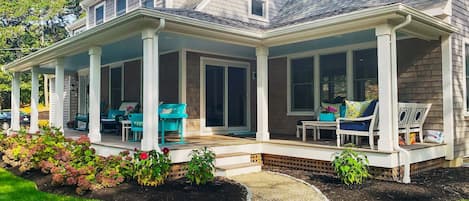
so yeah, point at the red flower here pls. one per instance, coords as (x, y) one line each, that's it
(143, 155)
(165, 151)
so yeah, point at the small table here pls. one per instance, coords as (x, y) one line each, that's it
(126, 124)
(317, 126)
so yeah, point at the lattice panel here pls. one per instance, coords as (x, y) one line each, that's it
(256, 158)
(178, 171)
(417, 168)
(316, 166)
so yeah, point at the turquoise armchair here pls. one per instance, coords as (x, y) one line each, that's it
(136, 124)
(171, 117)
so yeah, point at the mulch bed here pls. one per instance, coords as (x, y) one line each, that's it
(220, 189)
(439, 184)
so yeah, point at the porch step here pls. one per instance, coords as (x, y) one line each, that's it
(232, 159)
(238, 169)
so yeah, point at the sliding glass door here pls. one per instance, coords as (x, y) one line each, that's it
(226, 96)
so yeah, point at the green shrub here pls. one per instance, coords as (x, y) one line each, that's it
(351, 167)
(201, 166)
(151, 168)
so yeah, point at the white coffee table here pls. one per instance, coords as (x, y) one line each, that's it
(317, 126)
(126, 124)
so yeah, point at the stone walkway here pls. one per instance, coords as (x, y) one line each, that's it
(268, 186)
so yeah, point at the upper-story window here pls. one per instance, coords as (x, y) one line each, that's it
(99, 13)
(121, 6)
(148, 3)
(258, 8)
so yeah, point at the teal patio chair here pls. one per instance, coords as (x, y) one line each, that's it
(171, 117)
(111, 122)
(136, 125)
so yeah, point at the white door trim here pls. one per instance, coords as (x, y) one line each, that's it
(223, 63)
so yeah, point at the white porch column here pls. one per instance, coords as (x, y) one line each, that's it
(262, 54)
(387, 97)
(33, 128)
(448, 110)
(59, 94)
(46, 90)
(95, 95)
(150, 90)
(15, 102)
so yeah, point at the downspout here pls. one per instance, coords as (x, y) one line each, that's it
(402, 152)
(161, 26)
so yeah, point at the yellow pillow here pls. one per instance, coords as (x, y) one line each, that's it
(355, 109)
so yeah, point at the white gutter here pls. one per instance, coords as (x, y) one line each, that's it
(402, 152)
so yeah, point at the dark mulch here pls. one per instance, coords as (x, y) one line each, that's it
(440, 184)
(220, 189)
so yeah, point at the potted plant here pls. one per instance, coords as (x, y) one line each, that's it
(327, 114)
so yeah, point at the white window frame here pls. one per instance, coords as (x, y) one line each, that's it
(290, 111)
(465, 91)
(224, 63)
(126, 7)
(316, 79)
(265, 17)
(103, 4)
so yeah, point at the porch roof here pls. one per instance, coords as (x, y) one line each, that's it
(423, 26)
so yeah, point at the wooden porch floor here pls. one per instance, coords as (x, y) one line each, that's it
(115, 140)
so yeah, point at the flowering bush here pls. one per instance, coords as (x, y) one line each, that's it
(151, 168)
(201, 166)
(75, 163)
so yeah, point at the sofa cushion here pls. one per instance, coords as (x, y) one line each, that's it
(355, 126)
(370, 109)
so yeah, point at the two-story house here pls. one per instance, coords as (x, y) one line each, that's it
(259, 66)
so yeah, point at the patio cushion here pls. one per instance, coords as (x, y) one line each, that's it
(355, 109)
(370, 109)
(356, 126)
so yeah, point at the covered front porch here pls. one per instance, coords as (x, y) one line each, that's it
(246, 82)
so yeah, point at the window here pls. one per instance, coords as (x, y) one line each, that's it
(99, 14)
(365, 65)
(258, 8)
(301, 78)
(148, 3)
(121, 6)
(466, 63)
(333, 68)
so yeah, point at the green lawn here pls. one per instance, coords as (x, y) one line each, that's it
(16, 188)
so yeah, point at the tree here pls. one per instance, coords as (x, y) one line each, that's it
(27, 26)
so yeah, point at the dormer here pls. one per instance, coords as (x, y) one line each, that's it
(101, 11)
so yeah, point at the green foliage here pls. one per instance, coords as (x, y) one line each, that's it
(71, 162)
(28, 25)
(351, 167)
(201, 166)
(16, 188)
(151, 168)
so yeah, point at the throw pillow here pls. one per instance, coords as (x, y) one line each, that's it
(354, 109)
(336, 106)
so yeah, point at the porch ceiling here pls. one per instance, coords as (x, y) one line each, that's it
(132, 47)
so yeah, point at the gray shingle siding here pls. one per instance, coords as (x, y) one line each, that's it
(110, 8)
(460, 16)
